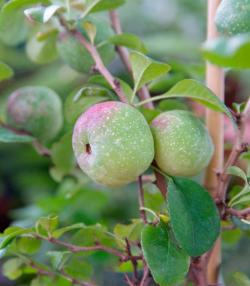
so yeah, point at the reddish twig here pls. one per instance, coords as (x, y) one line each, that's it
(44, 272)
(133, 261)
(242, 214)
(124, 55)
(238, 149)
(98, 247)
(40, 149)
(99, 65)
(145, 275)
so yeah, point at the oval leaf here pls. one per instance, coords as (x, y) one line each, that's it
(11, 136)
(146, 69)
(189, 88)
(5, 71)
(167, 262)
(130, 41)
(193, 215)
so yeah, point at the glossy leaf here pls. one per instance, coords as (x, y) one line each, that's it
(78, 268)
(130, 41)
(12, 268)
(46, 225)
(78, 102)
(9, 136)
(35, 13)
(5, 71)
(10, 234)
(61, 231)
(236, 171)
(62, 155)
(146, 69)
(28, 244)
(58, 258)
(168, 263)
(101, 5)
(42, 52)
(193, 215)
(193, 89)
(229, 52)
(12, 20)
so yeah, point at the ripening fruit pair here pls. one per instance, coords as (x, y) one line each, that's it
(113, 143)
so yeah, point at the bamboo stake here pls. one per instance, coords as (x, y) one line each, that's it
(215, 124)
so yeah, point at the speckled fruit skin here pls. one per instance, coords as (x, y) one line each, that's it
(74, 54)
(37, 110)
(233, 17)
(113, 143)
(183, 146)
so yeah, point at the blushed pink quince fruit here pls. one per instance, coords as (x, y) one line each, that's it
(113, 143)
(183, 146)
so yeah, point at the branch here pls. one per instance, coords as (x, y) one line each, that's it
(145, 275)
(124, 55)
(239, 148)
(98, 247)
(99, 65)
(141, 200)
(44, 272)
(133, 261)
(242, 214)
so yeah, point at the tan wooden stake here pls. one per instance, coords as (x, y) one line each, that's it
(215, 124)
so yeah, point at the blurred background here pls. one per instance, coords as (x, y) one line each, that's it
(173, 31)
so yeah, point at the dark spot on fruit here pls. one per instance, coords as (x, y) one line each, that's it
(88, 149)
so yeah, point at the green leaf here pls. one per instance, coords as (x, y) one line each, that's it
(229, 52)
(236, 171)
(101, 5)
(130, 231)
(193, 89)
(35, 13)
(58, 258)
(78, 268)
(62, 155)
(5, 71)
(46, 225)
(240, 279)
(50, 11)
(61, 231)
(130, 41)
(146, 69)
(193, 216)
(42, 52)
(28, 244)
(9, 136)
(89, 235)
(10, 234)
(167, 262)
(12, 268)
(78, 102)
(12, 20)
(50, 281)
